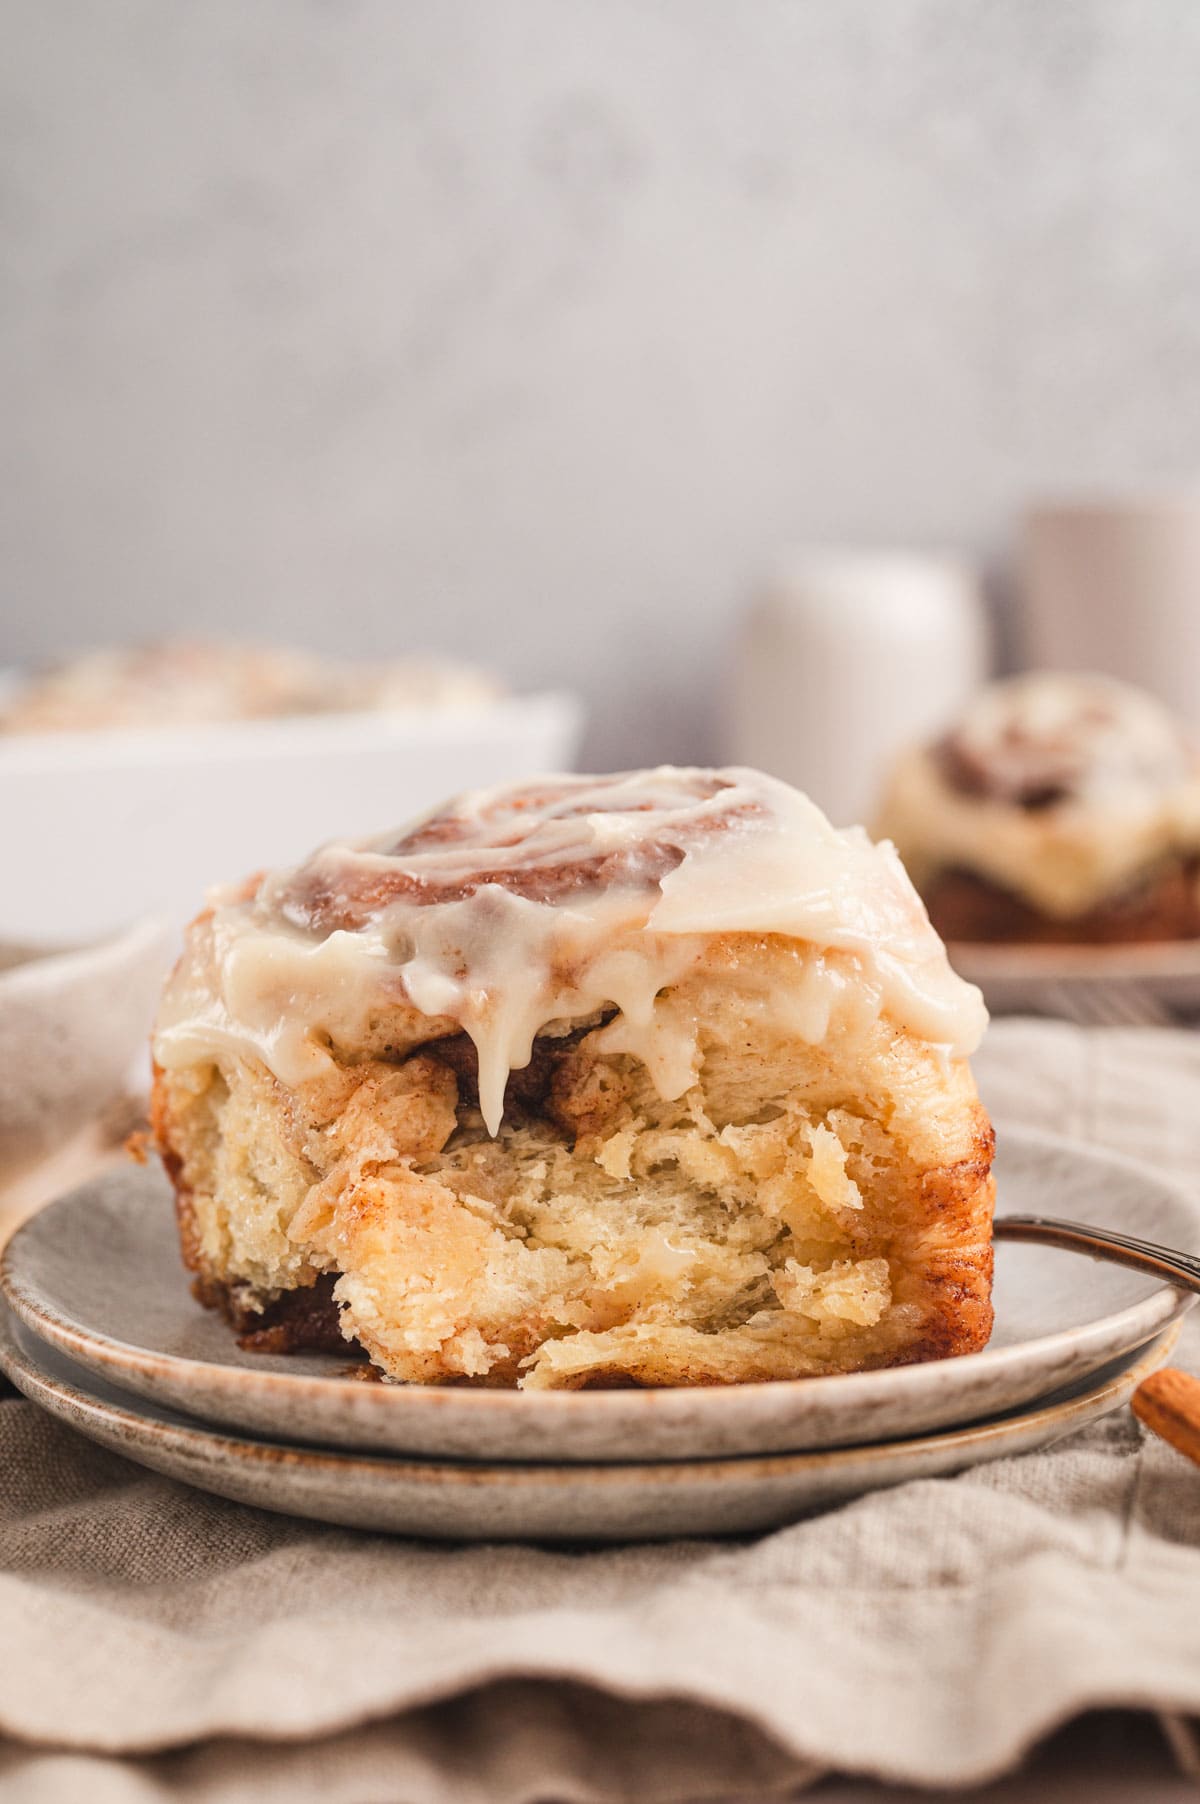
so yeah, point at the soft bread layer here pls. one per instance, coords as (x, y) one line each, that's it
(801, 1209)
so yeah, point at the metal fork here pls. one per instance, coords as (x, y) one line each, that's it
(1172, 1263)
(1168, 1402)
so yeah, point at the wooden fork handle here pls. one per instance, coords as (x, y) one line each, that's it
(1168, 1402)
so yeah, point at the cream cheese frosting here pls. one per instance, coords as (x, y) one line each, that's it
(520, 910)
(1063, 789)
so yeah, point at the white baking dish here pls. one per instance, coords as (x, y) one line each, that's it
(99, 828)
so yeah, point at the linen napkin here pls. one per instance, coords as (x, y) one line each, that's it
(157, 1643)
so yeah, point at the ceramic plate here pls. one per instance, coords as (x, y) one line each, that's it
(509, 1502)
(98, 1275)
(1048, 979)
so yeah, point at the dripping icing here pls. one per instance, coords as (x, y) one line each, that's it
(500, 927)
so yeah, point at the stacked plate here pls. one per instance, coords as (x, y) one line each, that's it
(1100, 986)
(99, 1328)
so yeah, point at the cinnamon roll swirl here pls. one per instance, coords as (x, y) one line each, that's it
(651, 1079)
(1061, 809)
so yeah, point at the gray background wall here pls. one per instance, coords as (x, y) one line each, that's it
(532, 329)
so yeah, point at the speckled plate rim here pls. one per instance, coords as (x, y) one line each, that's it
(1151, 961)
(1135, 958)
(507, 1501)
(692, 1422)
(1048, 979)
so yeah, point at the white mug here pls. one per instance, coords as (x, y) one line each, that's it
(848, 657)
(1114, 585)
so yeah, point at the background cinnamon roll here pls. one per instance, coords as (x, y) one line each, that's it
(191, 682)
(1061, 808)
(653, 1078)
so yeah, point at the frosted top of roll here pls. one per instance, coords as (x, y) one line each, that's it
(514, 908)
(1061, 787)
(1051, 737)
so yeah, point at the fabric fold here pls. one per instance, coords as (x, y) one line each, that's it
(929, 1634)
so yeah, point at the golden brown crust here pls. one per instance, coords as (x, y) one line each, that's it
(298, 1321)
(959, 1272)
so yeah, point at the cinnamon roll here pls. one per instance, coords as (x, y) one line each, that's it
(181, 682)
(651, 1079)
(1061, 809)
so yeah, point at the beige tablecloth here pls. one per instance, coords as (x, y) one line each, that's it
(929, 1633)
